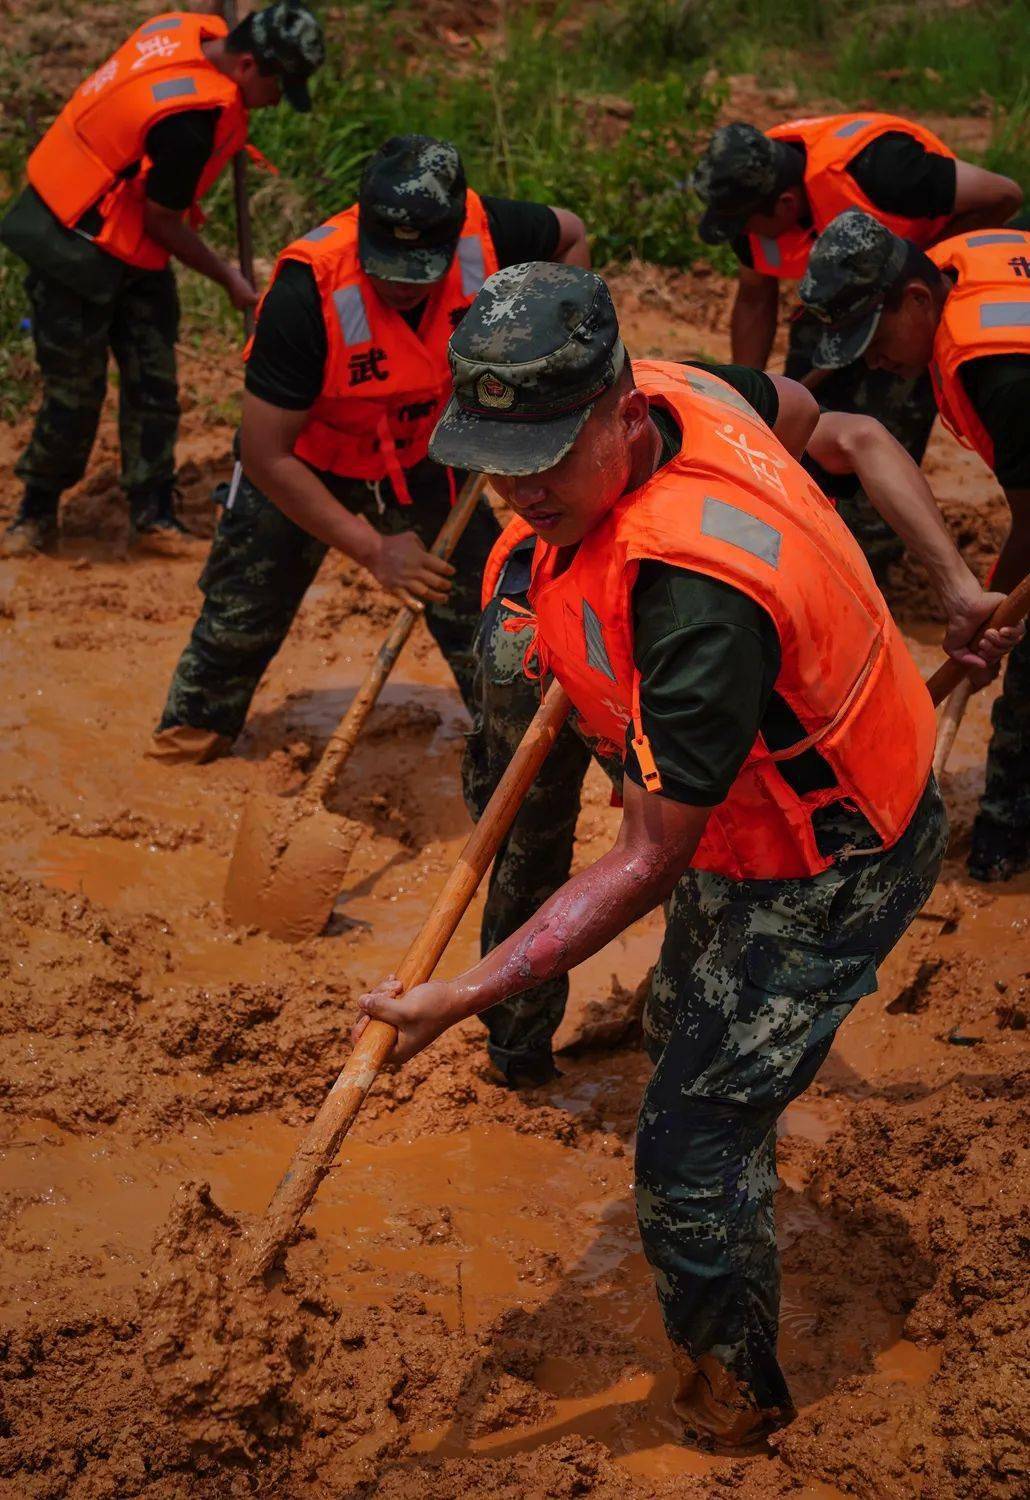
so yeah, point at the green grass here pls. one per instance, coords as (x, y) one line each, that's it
(599, 108)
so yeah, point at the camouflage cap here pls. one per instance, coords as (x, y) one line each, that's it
(738, 171)
(536, 349)
(411, 207)
(853, 265)
(288, 40)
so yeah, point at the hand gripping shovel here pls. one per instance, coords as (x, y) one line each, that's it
(320, 1143)
(950, 676)
(291, 854)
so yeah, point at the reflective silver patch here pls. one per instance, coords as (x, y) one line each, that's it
(727, 523)
(173, 88)
(1005, 315)
(470, 259)
(350, 311)
(705, 386)
(593, 636)
(167, 25)
(321, 233)
(770, 249)
(852, 128)
(997, 237)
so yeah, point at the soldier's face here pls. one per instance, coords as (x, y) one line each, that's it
(259, 90)
(565, 502)
(402, 296)
(782, 217)
(903, 341)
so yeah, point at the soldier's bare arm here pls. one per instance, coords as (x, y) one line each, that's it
(166, 225)
(400, 564)
(845, 443)
(572, 248)
(982, 198)
(655, 844)
(797, 416)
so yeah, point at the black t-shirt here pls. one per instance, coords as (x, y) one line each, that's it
(998, 385)
(287, 363)
(179, 148)
(898, 175)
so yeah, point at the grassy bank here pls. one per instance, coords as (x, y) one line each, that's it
(598, 107)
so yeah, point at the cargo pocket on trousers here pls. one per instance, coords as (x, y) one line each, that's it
(790, 1004)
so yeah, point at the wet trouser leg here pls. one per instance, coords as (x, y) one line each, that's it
(72, 336)
(258, 571)
(907, 409)
(754, 979)
(536, 856)
(1006, 798)
(143, 334)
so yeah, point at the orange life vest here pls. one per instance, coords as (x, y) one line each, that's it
(987, 312)
(831, 143)
(101, 132)
(735, 506)
(385, 385)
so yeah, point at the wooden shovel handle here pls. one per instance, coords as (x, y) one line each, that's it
(244, 236)
(317, 1150)
(1013, 608)
(954, 711)
(345, 736)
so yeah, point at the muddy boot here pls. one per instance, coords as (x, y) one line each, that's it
(34, 529)
(182, 745)
(717, 1414)
(527, 1070)
(153, 523)
(998, 851)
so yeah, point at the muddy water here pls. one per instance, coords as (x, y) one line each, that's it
(146, 1042)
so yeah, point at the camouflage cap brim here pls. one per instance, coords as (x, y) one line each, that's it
(719, 229)
(467, 440)
(843, 346)
(392, 261)
(296, 93)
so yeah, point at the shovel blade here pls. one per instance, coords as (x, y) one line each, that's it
(287, 867)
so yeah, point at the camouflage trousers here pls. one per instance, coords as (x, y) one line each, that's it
(1006, 798)
(907, 409)
(261, 566)
(753, 980)
(138, 322)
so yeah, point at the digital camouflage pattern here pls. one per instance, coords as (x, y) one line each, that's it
(737, 172)
(288, 40)
(259, 569)
(907, 408)
(539, 345)
(753, 980)
(138, 321)
(411, 208)
(854, 263)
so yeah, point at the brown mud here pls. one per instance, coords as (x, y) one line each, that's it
(468, 1311)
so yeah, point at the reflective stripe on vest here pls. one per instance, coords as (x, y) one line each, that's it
(716, 391)
(770, 249)
(173, 88)
(593, 637)
(169, 25)
(350, 311)
(728, 523)
(999, 237)
(1005, 315)
(851, 128)
(470, 259)
(321, 233)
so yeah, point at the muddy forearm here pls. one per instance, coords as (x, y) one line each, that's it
(753, 321)
(578, 920)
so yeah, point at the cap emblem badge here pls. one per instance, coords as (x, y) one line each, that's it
(494, 392)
